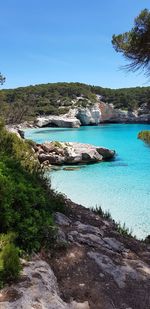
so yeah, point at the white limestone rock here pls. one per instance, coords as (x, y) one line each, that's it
(72, 153)
(58, 121)
(89, 115)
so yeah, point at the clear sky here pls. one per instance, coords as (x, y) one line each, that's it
(66, 40)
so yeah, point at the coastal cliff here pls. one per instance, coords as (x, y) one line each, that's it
(98, 113)
(75, 104)
(84, 260)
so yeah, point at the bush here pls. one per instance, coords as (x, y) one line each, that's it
(11, 263)
(9, 259)
(145, 136)
(26, 200)
(99, 211)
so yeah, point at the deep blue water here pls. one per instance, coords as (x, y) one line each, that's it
(121, 186)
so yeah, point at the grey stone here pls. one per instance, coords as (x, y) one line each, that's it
(42, 293)
(61, 219)
(114, 243)
(120, 273)
(87, 228)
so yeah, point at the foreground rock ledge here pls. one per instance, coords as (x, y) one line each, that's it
(92, 267)
(59, 153)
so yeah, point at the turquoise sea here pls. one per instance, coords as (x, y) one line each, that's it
(121, 186)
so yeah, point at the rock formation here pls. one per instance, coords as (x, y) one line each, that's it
(95, 114)
(89, 115)
(58, 121)
(36, 289)
(59, 153)
(93, 266)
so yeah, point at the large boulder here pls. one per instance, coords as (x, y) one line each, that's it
(105, 153)
(58, 153)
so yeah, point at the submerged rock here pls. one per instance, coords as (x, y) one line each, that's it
(69, 168)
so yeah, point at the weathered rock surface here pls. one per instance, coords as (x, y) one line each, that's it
(111, 114)
(96, 269)
(59, 153)
(95, 114)
(58, 121)
(99, 265)
(89, 115)
(37, 289)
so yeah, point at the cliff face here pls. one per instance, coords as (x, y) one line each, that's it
(89, 115)
(74, 118)
(99, 112)
(58, 121)
(111, 114)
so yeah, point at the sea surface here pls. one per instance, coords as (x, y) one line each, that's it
(121, 186)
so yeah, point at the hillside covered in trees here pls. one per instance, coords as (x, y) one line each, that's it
(25, 103)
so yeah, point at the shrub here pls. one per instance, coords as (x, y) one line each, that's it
(11, 263)
(26, 199)
(145, 136)
(123, 230)
(99, 211)
(9, 259)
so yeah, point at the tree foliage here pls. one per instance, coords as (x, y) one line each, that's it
(145, 136)
(26, 103)
(11, 263)
(2, 79)
(135, 44)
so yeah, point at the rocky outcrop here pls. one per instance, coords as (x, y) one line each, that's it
(111, 114)
(73, 119)
(92, 266)
(58, 153)
(89, 115)
(103, 267)
(58, 121)
(95, 114)
(36, 289)
(98, 113)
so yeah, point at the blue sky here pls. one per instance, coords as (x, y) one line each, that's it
(66, 40)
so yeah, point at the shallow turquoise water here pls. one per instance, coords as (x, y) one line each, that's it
(121, 186)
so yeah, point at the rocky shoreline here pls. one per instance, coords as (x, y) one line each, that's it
(94, 114)
(93, 266)
(98, 113)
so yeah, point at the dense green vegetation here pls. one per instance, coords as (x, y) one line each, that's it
(125, 98)
(26, 103)
(26, 204)
(9, 259)
(145, 136)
